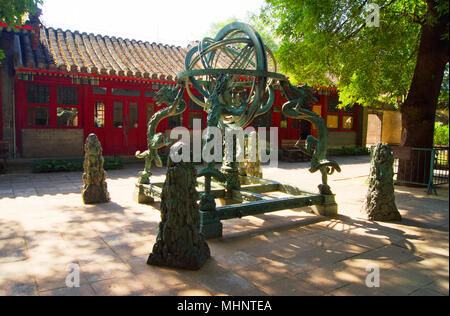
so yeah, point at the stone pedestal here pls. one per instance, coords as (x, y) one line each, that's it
(329, 208)
(210, 225)
(230, 167)
(142, 194)
(95, 194)
(231, 172)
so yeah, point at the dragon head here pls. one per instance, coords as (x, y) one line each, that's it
(167, 95)
(305, 95)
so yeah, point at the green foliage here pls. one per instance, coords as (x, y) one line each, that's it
(336, 152)
(441, 135)
(114, 163)
(443, 98)
(442, 107)
(58, 165)
(327, 43)
(349, 151)
(217, 26)
(267, 35)
(13, 11)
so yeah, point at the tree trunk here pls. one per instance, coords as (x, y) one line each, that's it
(419, 110)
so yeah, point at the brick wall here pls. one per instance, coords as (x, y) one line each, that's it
(374, 129)
(7, 84)
(392, 128)
(384, 126)
(52, 143)
(339, 139)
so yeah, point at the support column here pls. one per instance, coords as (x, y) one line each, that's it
(230, 168)
(329, 208)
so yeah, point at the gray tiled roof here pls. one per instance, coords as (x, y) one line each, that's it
(76, 52)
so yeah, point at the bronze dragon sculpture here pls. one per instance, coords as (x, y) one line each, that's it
(299, 98)
(173, 98)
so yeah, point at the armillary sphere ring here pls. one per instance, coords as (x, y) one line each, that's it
(238, 53)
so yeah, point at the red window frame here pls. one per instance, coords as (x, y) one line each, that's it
(52, 106)
(341, 114)
(191, 112)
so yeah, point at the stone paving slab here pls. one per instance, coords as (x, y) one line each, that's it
(45, 228)
(12, 250)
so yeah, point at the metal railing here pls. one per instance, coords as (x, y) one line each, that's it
(424, 167)
(440, 168)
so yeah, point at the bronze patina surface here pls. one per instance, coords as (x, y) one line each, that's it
(236, 76)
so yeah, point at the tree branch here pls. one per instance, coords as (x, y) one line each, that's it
(415, 17)
(338, 29)
(352, 34)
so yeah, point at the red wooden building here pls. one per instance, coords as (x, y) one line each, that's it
(59, 86)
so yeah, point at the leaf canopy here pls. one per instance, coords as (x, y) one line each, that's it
(330, 43)
(12, 11)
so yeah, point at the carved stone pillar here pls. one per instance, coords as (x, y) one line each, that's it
(94, 190)
(179, 243)
(380, 204)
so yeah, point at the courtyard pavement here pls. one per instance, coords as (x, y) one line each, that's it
(45, 228)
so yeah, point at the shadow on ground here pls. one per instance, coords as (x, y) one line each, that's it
(290, 252)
